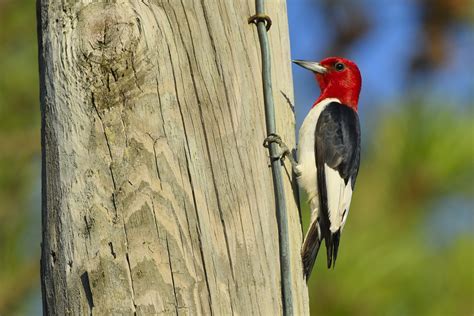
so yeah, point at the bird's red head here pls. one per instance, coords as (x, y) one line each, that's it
(338, 78)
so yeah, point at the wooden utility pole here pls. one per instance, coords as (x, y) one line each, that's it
(157, 196)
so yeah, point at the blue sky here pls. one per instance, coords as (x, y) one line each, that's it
(382, 56)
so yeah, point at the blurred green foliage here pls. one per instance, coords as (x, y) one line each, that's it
(19, 154)
(393, 260)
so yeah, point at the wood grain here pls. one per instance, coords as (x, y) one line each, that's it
(157, 196)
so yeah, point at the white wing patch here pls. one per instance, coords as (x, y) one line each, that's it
(339, 198)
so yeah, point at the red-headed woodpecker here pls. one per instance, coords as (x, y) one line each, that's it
(329, 155)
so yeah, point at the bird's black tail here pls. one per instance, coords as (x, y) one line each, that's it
(332, 245)
(310, 248)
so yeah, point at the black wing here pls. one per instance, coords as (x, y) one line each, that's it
(337, 144)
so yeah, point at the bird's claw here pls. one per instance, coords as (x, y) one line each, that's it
(274, 138)
(285, 151)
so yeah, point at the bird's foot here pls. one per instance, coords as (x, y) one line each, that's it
(274, 138)
(284, 151)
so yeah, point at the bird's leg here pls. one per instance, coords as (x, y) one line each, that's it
(284, 151)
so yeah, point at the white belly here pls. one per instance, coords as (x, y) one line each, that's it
(307, 156)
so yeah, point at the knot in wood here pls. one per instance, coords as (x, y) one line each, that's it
(108, 33)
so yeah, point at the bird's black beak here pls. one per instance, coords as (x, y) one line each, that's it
(311, 65)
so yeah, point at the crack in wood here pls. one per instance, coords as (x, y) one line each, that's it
(172, 276)
(87, 290)
(156, 160)
(135, 75)
(110, 154)
(131, 283)
(112, 252)
(154, 217)
(160, 105)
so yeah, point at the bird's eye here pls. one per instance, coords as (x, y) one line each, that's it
(339, 66)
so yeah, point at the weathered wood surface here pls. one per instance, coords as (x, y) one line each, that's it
(157, 196)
